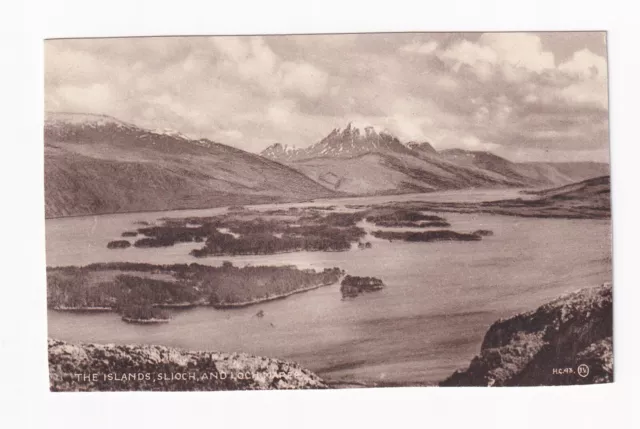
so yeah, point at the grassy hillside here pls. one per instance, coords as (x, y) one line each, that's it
(97, 165)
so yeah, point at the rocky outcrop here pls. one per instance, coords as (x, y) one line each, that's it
(566, 341)
(96, 367)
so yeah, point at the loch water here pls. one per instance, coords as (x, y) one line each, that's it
(430, 320)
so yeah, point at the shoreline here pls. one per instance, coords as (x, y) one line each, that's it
(219, 255)
(223, 306)
(294, 201)
(82, 309)
(144, 321)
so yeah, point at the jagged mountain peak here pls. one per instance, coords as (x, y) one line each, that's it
(362, 128)
(352, 140)
(278, 151)
(423, 146)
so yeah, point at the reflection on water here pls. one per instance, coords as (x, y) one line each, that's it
(430, 320)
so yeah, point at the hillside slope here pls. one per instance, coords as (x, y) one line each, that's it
(96, 164)
(379, 172)
(548, 345)
(589, 199)
(528, 173)
(158, 368)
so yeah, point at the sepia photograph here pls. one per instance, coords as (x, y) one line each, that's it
(328, 211)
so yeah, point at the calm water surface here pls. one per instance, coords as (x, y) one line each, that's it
(430, 320)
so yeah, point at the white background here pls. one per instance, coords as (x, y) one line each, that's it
(24, 397)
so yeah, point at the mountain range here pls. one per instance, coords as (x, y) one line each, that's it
(97, 164)
(368, 160)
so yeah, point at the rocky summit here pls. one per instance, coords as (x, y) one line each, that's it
(566, 341)
(95, 367)
(353, 140)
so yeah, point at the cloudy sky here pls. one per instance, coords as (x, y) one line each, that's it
(525, 96)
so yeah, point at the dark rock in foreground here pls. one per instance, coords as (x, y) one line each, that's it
(553, 345)
(96, 367)
(353, 286)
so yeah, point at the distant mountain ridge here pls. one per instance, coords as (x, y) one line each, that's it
(361, 159)
(98, 164)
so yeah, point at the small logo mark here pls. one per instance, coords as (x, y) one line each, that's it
(583, 370)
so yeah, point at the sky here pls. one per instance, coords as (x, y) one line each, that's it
(524, 96)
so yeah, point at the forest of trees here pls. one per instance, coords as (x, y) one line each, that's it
(239, 285)
(352, 286)
(302, 238)
(257, 233)
(405, 218)
(127, 286)
(168, 235)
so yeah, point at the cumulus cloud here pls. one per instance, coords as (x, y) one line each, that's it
(542, 94)
(519, 50)
(253, 60)
(508, 53)
(586, 64)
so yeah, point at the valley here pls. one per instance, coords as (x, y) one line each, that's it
(365, 259)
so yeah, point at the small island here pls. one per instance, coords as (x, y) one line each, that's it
(426, 236)
(353, 286)
(253, 232)
(118, 244)
(402, 218)
(139, 292)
